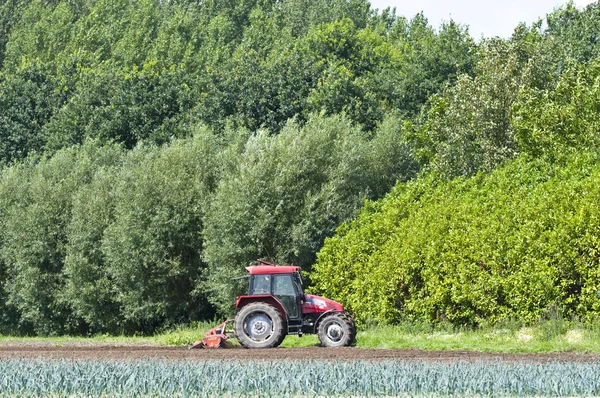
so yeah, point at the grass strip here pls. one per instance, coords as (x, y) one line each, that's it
(549, 336)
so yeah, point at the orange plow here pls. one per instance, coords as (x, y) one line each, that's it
(215, 338)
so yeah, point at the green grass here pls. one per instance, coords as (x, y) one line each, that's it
(523, 340)
(182, 335)
(104, 338)
(548, 336)
(555, 335)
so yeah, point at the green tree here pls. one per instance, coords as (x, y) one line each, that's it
(356, 68)
(141, 24)
(126, 107)
(28, 99)
(431, 60)
(33, 243)
(10, 14)
(561, 119)
(11, 191)
(42, 33)
(468, 128)
(177, 36)
(152, 249)
(89, 288)
(573, 34)
(98, 30)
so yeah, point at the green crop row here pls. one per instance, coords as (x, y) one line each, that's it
(152, 378)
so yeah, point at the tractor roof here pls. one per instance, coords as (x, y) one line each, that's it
(272, 269)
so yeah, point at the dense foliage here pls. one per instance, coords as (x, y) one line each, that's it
(513, 243)
(131, 70)
(286, 193)
(152, 149)
(97, 238)
(33, 378)
(506, 245)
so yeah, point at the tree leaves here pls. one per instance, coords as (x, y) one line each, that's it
(505, 245)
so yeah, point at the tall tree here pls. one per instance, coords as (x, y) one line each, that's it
(33, 243)
(152, 248)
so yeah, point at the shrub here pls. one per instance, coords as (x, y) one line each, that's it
(507, 244)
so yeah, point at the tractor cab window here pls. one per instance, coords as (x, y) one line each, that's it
(261, 284)
(298, 282)
(283, 286)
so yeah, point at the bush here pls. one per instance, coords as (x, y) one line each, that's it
(499, 246)
(152, 248)
(564, 118)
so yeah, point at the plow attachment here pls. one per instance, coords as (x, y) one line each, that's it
(214, 338)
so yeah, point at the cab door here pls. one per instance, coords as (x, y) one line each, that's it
(284, 290)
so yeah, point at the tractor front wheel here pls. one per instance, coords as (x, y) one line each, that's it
(259, 325)
(337, 330)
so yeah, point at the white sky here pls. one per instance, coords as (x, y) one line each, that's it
(484, 17)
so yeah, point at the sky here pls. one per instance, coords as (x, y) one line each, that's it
(485, 17)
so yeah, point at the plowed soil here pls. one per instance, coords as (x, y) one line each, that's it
(96, 351)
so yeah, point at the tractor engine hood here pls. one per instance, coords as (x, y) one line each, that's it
(315, 304)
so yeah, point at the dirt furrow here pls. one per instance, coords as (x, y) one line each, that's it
(78, 351)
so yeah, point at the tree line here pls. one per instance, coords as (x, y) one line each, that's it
(152, 149)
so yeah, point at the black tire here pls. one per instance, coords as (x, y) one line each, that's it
(259, 325)
(337, 330)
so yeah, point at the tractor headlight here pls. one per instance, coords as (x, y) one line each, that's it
(317, 302)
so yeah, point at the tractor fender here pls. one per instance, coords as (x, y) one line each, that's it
(320, 318)
(243, 301)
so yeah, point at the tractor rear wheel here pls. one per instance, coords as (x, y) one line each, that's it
(337, 330)
(259, 325)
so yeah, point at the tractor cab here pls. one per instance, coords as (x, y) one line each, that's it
(281, 282)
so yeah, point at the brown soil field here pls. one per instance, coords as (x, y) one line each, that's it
(100, 351)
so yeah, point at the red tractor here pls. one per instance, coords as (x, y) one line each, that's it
(276, 306)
